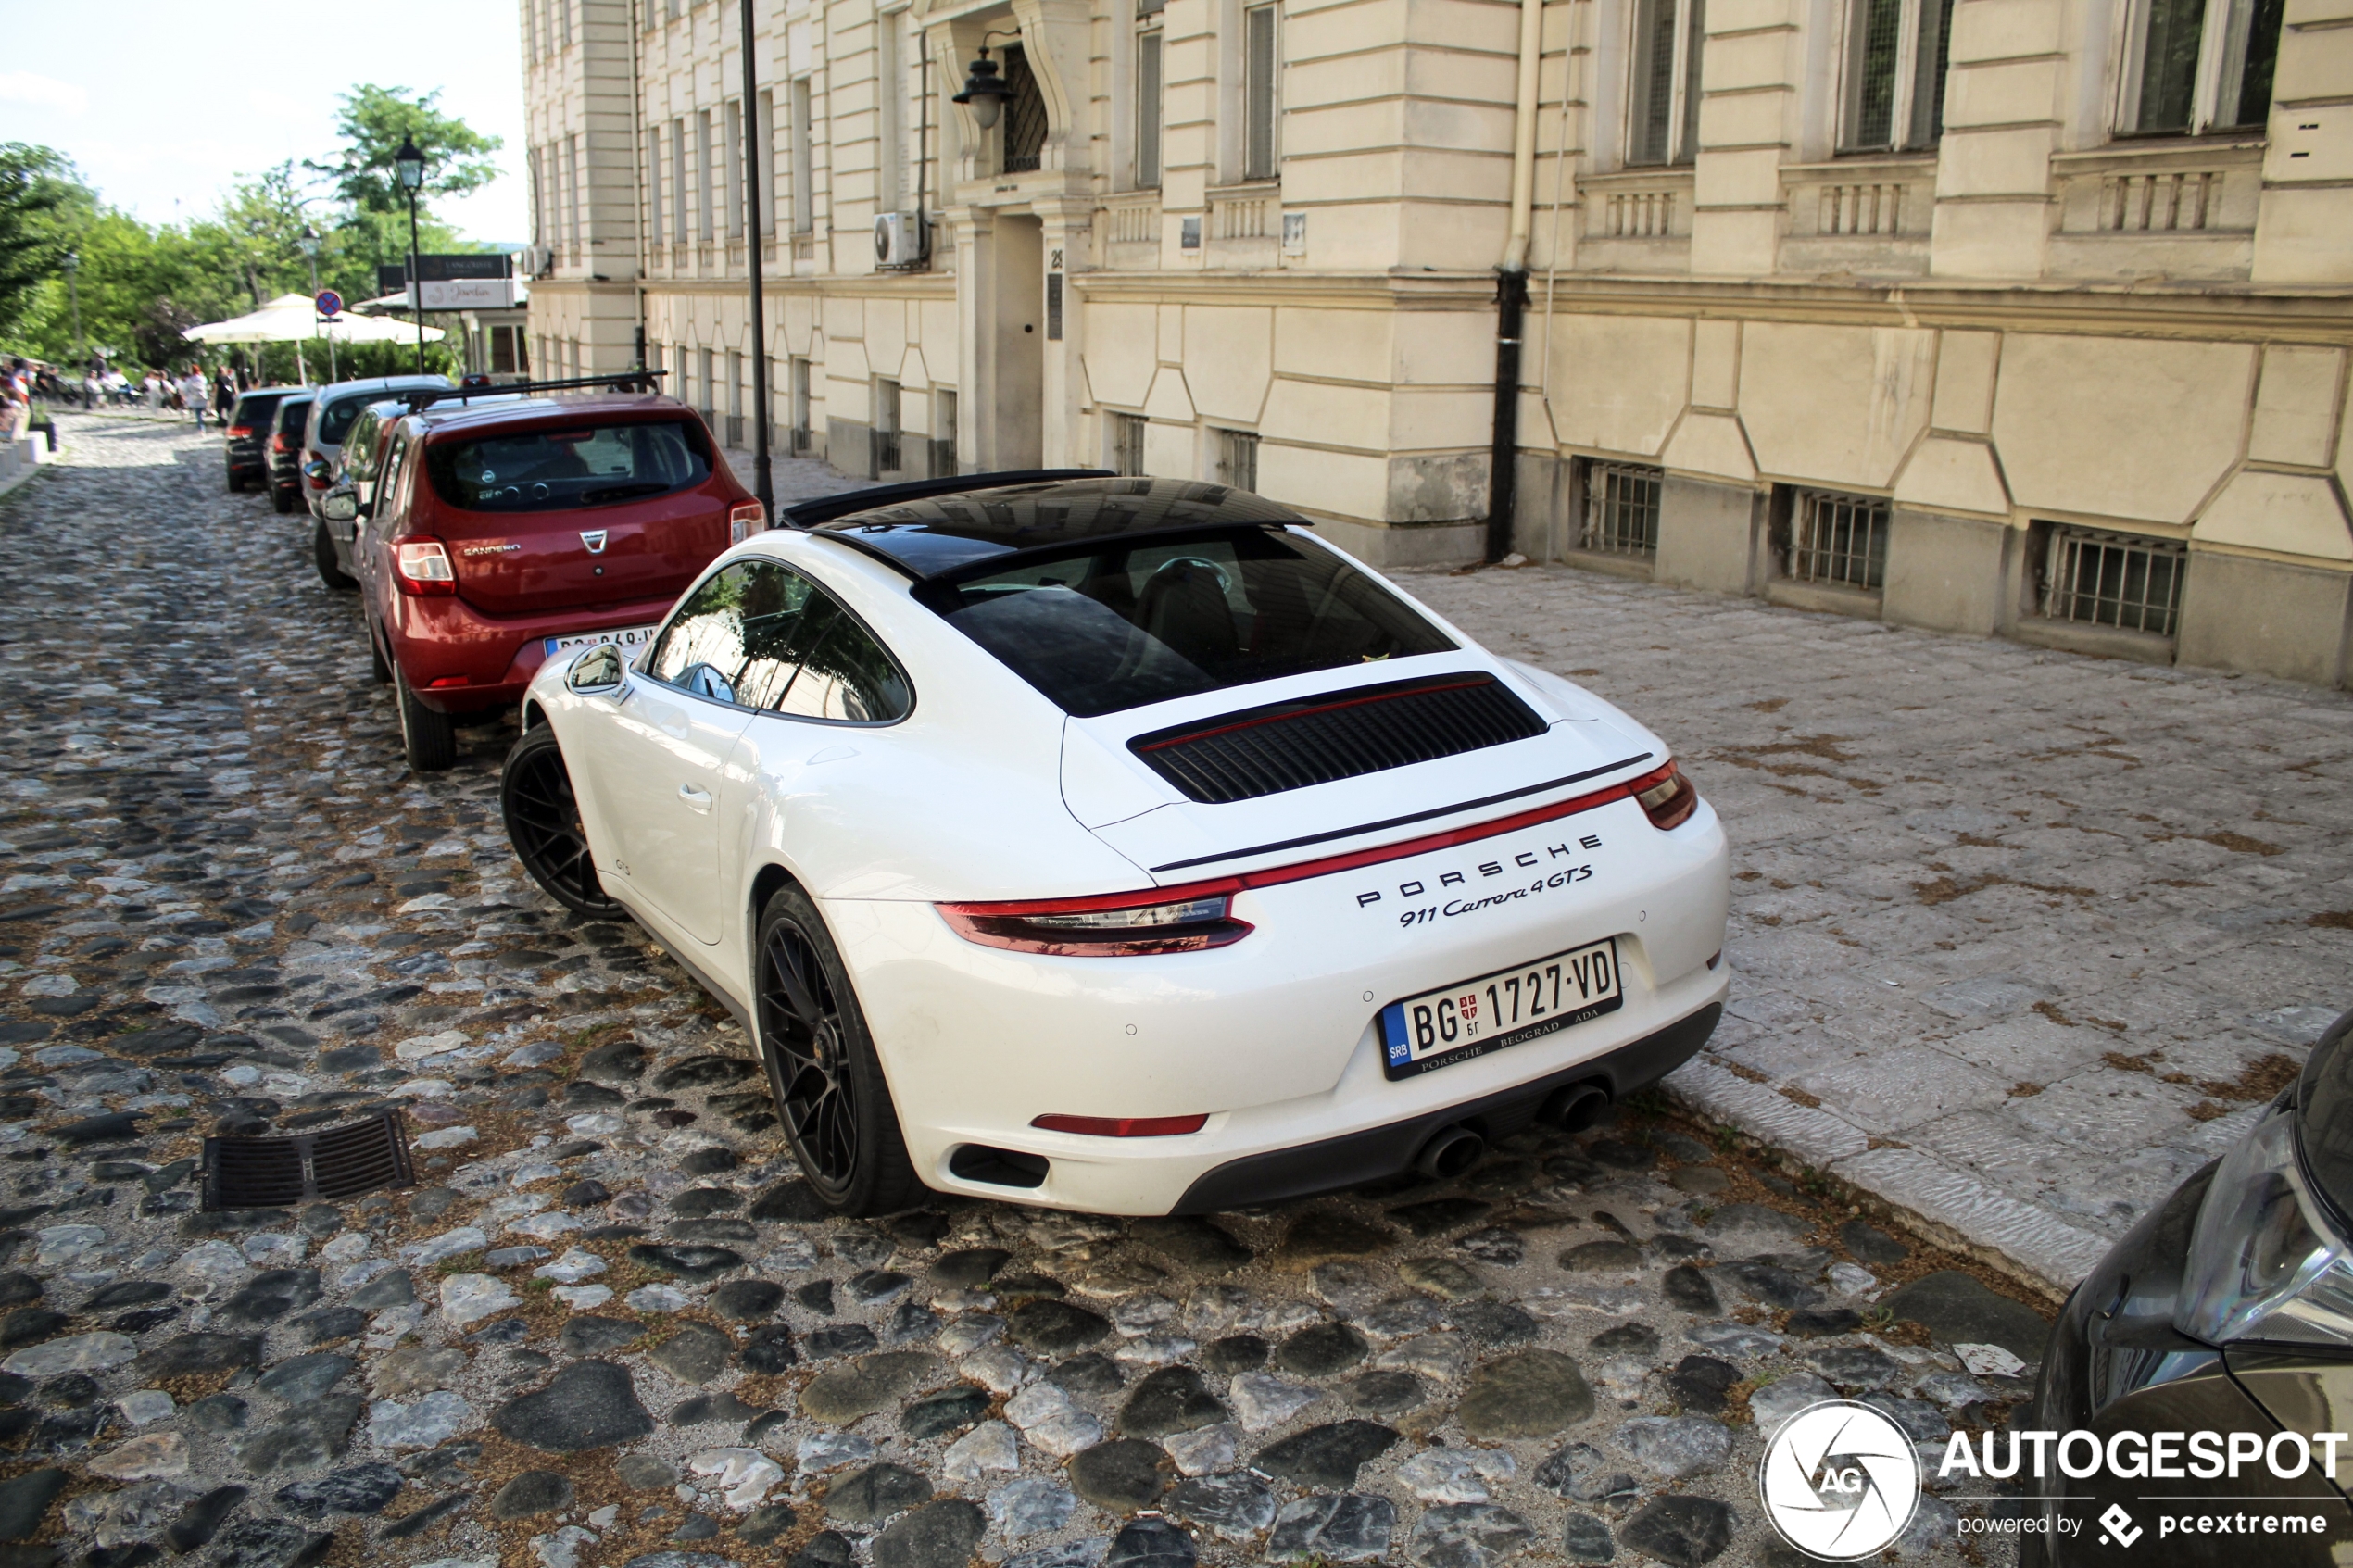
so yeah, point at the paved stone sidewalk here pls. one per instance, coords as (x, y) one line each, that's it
(2019, 938)
(611, 1328)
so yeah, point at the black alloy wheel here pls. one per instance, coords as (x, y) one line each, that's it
(543, 824)
(822, 1067)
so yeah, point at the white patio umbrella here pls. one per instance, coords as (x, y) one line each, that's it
(291, 318)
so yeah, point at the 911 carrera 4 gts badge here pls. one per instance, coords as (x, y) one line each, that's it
(594, 539)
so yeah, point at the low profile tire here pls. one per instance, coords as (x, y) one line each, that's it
(429, 737)
(331, 571)
(822, 1069)
(543, 824)
(281, 501)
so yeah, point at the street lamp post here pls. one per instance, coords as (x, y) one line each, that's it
(409, 163)
(309, 244)
(72, 264)
(762, 485)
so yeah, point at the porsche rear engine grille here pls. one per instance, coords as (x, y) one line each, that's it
(1338, 735)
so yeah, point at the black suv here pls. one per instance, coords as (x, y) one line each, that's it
(284, 454)
(250, 428)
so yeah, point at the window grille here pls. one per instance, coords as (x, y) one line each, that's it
(1237, 459)
(1621, 510)
(1024, 116)
(801, 441)
(886, 458)
(2122, 580)
(943, 432)
(1127, 445)
(1259, 93)
(1840, 539)
(1151, 107)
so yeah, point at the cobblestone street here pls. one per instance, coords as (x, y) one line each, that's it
(2019, 938)
(610, 1327)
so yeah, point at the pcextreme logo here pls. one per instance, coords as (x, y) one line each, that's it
(1839, 1480)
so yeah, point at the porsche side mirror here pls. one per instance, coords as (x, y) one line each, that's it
(596, 670)
(339, 506)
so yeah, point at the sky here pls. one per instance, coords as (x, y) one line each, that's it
(166, 105)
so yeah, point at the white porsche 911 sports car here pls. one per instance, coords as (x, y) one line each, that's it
(1119, 845)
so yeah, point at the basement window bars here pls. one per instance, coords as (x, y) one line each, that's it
(2126, 581)
(1621, 510)
(1837, 539)
(1127, 445)
(1238, 460)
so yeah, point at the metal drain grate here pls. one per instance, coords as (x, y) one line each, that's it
(333, 1163)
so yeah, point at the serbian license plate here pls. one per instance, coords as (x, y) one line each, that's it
(1478, 1016)
(630, 638)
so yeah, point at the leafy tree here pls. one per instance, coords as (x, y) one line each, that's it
(41, 195)
(373, 124)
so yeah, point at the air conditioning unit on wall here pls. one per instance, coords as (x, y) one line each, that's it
(901, 242)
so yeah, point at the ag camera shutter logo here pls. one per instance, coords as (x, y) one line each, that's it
(1839, 1480)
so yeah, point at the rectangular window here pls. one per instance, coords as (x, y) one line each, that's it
(1836, 539)
(735, 398)
(764, 141)
(653, 181)
(2122, 580)
(1238, 460)
(1127, 445)
(890, 155)
(804, 161)
(801, 434)
(538, 197)
(572, 180)
(564, 18)
(1621, 508)
(1896, 53)
(2181, 57)
(1025, 122)
(709, 403)
(1663, 120)
(1259, 105)
(943, 432)
(731, 155)
(1151, 107)
(505, 343)
(885, 429)
(705, 187)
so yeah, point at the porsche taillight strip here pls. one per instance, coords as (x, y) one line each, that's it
(1561, 809)
(1275, 876)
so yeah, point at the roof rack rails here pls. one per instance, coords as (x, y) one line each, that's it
(809, 514)
(419, 398)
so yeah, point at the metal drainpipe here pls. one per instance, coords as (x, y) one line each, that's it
(1511, 291)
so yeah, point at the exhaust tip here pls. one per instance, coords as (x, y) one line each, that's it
(1449, 1153)
(1573, 1108)
(998, 1167)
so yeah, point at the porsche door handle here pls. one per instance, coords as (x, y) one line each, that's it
(698, 798)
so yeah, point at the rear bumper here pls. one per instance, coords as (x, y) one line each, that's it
(1384, 1151)
(495, 657)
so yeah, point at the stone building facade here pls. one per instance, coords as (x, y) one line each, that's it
(2016, 317)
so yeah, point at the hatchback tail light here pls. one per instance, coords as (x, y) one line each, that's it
(1669, 800)
(421, 566)
(278, 442)
(1123, 1126)
(240, 430)
(744, 519)
(1106, 925)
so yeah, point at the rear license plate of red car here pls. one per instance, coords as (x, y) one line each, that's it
(1425, 1033)
(627, 637)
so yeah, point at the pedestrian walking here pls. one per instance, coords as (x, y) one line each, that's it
(151, 389)
(15, 399)
(193, 395)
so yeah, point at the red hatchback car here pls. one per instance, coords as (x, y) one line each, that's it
(505, 532)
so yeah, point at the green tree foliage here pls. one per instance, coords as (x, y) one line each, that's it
(41, 200)
(140, 284)
(374, 121)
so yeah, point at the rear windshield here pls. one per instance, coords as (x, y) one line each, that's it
(334, 420)
(254, 410)
(290, 415)
(1117, 627)
(539, 470)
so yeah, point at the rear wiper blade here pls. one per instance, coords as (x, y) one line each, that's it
(622, 492)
